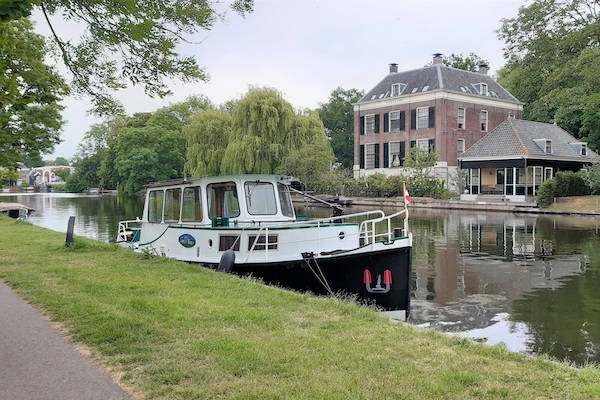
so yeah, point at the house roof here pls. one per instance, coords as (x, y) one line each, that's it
(438, 76)
(517, 138)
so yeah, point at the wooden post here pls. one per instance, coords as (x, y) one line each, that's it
(70, 228)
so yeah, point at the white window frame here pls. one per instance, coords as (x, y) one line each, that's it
(367, 146)
(400, 86)
(390, 153)
(458, 150)
(546, 142)
(583, 150)
(464, 118)
(483, 89)
(418, 110)
(486, 120)
(424, 148)
(546, 169)
(365, 128)
(390, 121)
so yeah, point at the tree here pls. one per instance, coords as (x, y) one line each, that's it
(207, 135)
(468, 63)
(125, 42)
(30, 120)
(311, 160)
(261, 133)
(337, 115)
(86, 174)
(551, 48)
(8, 175)
(60, 161)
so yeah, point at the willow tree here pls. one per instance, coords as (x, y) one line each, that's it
(310, 160)
(206, 135)
(262, 133)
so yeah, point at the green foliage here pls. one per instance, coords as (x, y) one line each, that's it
(262, 133)
(86, 174)
(8, 175)
(63, 173)
(60, 161)
(127, 42)
(468, 63)
(552, 48)
(311, 160)
(592, 179)
(30, 120)
(207, 135)
(571, 184)
(337, 115)
(14, 9)
(546, 193)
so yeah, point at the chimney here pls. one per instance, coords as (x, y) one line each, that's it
(484, 68)
(393, 68)
(437, 58)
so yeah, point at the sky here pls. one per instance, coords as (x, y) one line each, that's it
(305, 49)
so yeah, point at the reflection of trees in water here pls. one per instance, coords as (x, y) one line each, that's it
(105, 212)
(565, 322)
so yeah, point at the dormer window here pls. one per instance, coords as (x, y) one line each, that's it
(397, 89)
(580, 148)
(583, 149)
(482, 88)
(548, 146)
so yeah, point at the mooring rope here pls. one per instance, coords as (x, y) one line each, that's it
(323, 281)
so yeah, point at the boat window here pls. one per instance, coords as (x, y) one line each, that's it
(172, 204)
(287, 209)
(222, 200)
(155, 206)
(192, 205)
(260, 198)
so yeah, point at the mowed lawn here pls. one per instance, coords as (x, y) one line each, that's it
(170, 330)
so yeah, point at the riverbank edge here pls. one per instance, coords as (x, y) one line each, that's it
(164, 328)
(425, 202)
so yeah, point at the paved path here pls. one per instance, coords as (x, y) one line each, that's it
(36, 361)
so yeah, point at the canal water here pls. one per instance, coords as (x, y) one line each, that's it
(529, 282)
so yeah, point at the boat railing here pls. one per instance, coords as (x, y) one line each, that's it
(367, 228)
(124, 228)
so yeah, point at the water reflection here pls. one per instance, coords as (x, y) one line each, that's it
(530, 282)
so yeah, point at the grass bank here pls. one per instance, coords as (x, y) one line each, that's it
(176, 331)
(576, 203)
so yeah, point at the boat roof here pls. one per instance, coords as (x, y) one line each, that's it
(285, 179)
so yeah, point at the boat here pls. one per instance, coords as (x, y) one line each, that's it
(246, 224)
(15, 210)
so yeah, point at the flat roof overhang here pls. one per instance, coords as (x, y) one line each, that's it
(564, 163)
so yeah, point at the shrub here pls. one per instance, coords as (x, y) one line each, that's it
(592, 179)
(546, 193)
(571, 184)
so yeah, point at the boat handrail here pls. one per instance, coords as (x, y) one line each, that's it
(365, 223)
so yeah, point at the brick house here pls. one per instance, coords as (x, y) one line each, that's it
(436, 108)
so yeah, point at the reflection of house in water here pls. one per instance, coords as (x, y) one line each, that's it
(483, 262)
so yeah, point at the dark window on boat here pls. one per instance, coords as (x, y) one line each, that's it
(260, 242)
(226, 241)
(192, 205)
(172, 205)
(287, 209)
(155, 206)
(223, 200)
(260, 198)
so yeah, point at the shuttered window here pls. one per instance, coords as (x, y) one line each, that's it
(422, 117)
(369, 124)
(395, 121)
(369, 156)
(397, 153)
